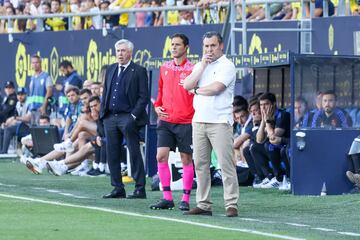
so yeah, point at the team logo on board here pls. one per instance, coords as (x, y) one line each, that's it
(54, 65)
(20, 65)
(92, 61)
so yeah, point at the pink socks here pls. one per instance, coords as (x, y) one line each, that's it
(188, 178)
(165, 178)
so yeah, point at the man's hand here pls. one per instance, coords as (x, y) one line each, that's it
(206, 59)
(42, 109)
(269, 113)
(160, 111)
(98, 141)
(10, 122)
(275, 139)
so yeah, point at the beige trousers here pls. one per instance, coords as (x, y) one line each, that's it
(217, 136)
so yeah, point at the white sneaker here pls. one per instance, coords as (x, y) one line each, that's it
(83, 167)
(26, 151)
(242, 164)
(263, 182)
(65, 146)
(23, 159)
(285, 184)
(56, 168)
(35, 165)
(274, 183)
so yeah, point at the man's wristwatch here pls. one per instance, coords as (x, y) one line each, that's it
(195, 90)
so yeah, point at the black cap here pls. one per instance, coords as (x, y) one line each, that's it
(9, 84)
(21, 90)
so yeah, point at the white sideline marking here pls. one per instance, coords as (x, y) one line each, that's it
(71, 195)
(152, 217)
(7, 185)
(297, 224)
(256, 220)
(52, 191)
(324, 229)
(59, 192)
(350, 234)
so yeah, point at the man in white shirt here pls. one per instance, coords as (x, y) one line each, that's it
(213, 81)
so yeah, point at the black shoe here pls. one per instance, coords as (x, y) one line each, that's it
(163, 204)
(137, 194)
(184, 206)
(116, 193)
(96, 173)
(91, 171)
(355, 190)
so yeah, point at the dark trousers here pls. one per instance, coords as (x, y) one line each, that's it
(261, 158)
(100, 153)
(117, 127)
(19, 129)
(254, 167)
(354, 162)
(97, 154)
(103, 154)
(273, 152)
(284, 152)
(1, 139)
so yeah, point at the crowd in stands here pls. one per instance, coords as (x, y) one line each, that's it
(211, 11)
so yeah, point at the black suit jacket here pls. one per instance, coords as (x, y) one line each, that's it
(136, 84)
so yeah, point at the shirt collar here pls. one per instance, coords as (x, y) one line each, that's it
(125, 65)
(217, 60)
(182, 63)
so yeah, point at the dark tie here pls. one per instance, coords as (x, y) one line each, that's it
(121, 71)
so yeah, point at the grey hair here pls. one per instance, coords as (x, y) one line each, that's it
(129, 44)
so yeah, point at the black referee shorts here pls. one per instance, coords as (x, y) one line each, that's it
(173, 135)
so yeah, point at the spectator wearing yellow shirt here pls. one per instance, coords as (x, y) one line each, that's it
(57, 23)
(76, 20)
(173, 17)
(355, 8)
(122, 4)
(296, 10)
(93, 22)
(46, 9)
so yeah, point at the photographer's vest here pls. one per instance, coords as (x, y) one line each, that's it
(37, 94)
(63, 104)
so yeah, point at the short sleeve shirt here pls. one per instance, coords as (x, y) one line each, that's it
(218, 108)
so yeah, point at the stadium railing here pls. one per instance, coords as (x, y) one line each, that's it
(343, 10)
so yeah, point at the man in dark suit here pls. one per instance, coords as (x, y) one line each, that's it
(123, 111)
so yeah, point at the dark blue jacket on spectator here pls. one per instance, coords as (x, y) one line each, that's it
(74, 79)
